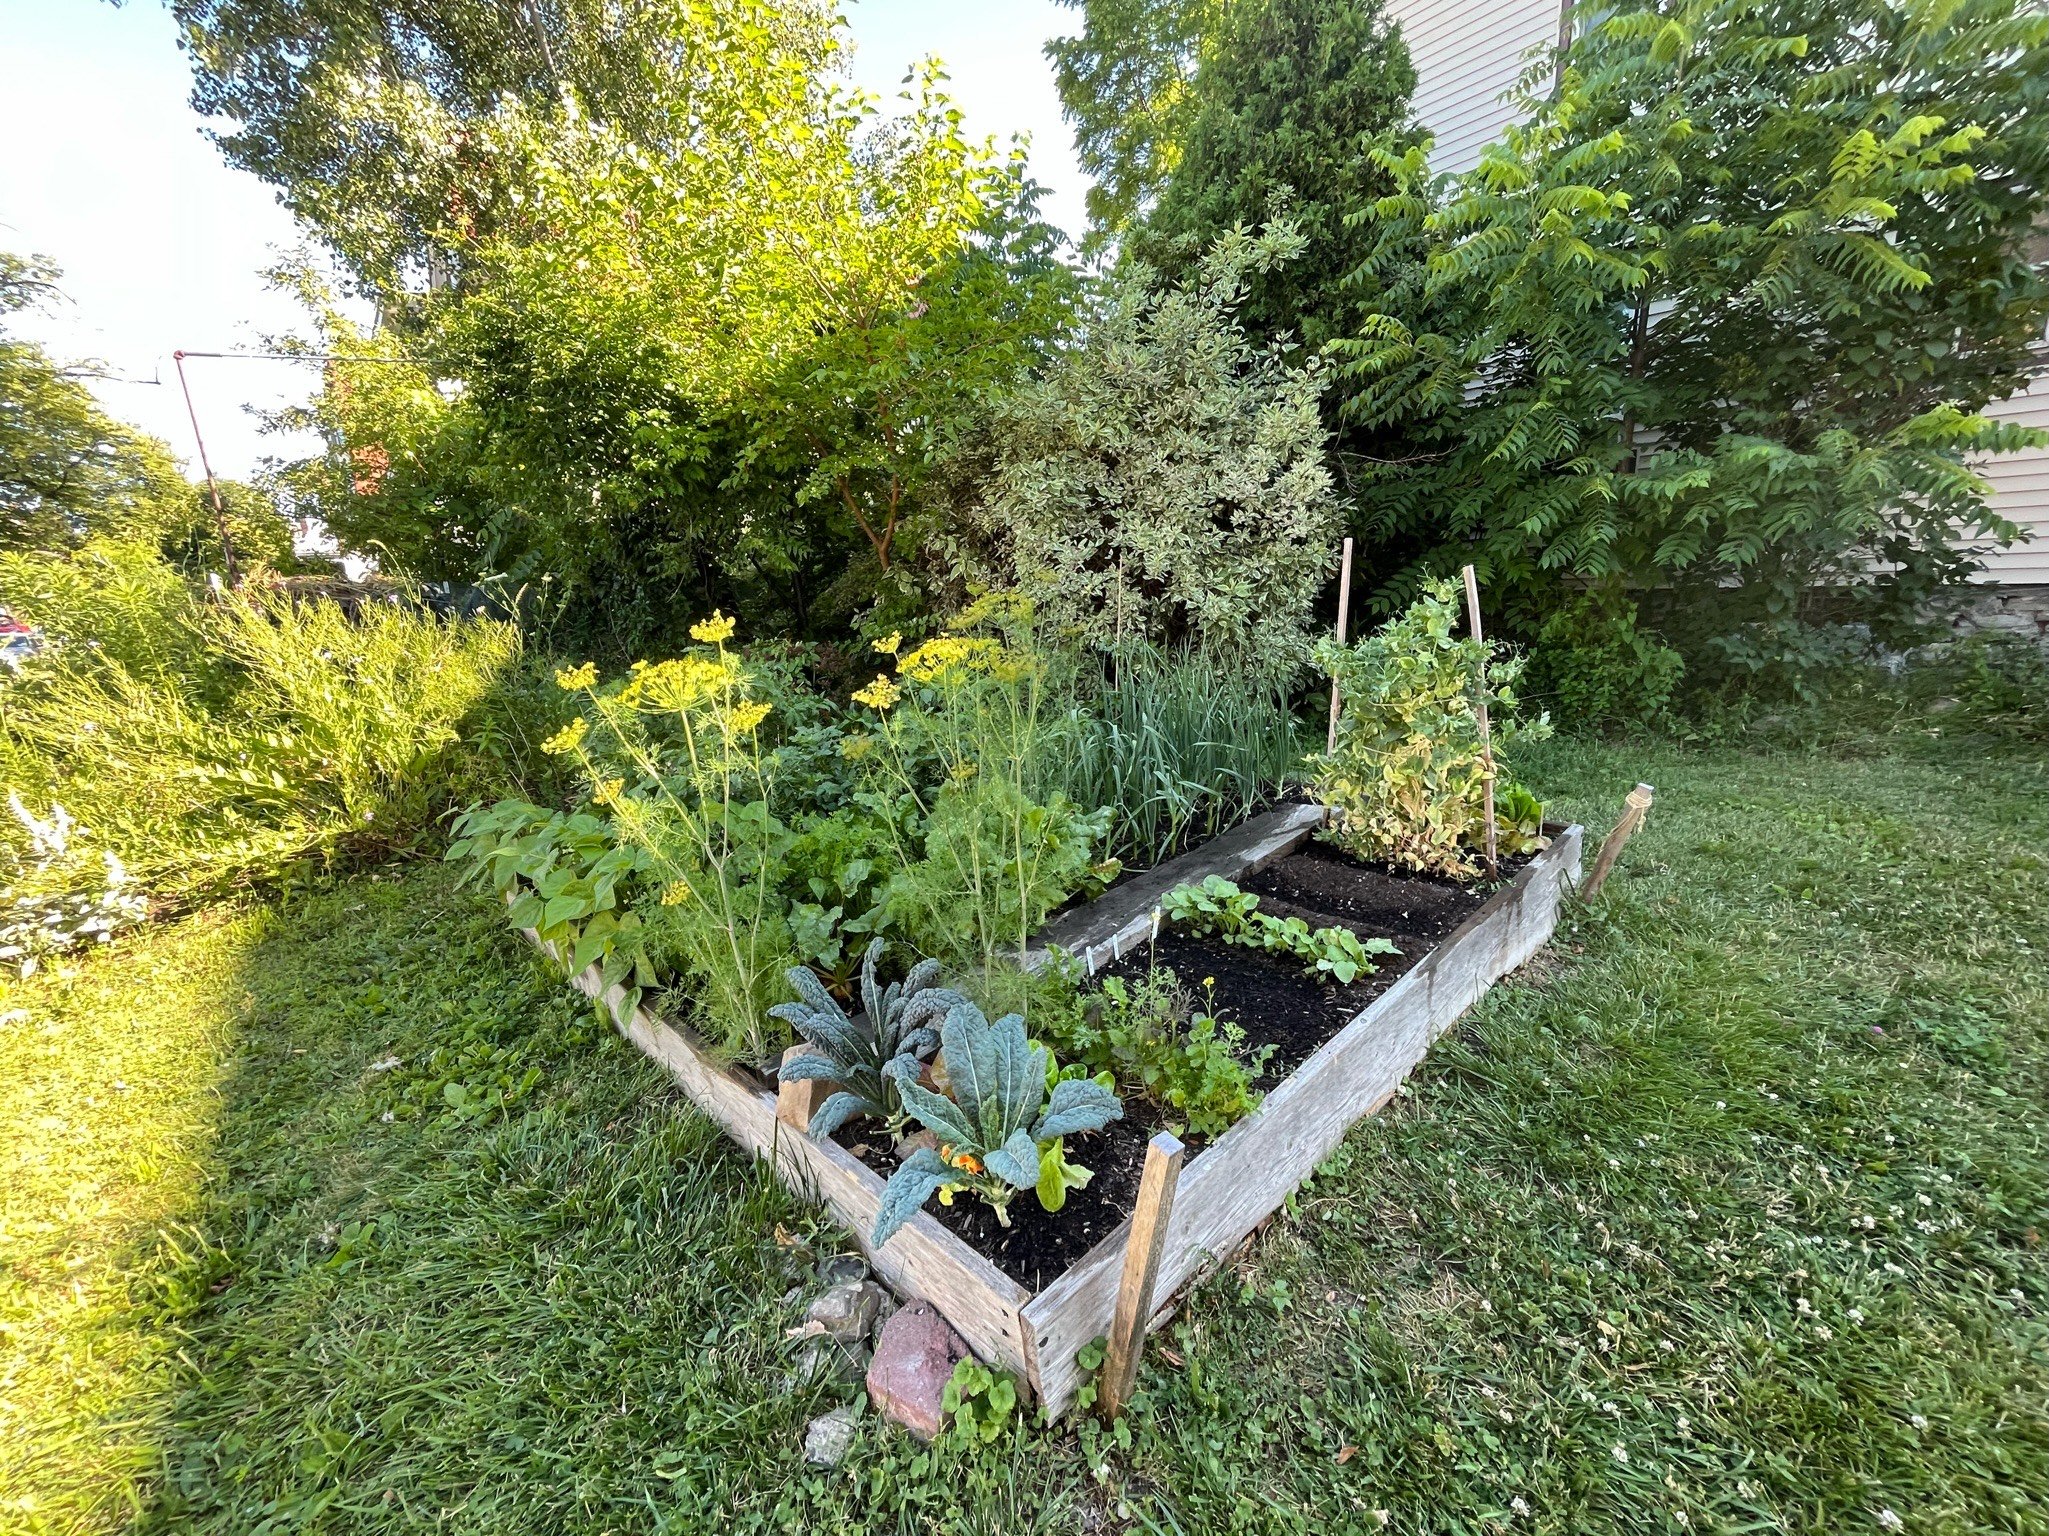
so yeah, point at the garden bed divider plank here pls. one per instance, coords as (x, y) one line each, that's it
(923, 1259)
(1239, 1180)
(1099, 933)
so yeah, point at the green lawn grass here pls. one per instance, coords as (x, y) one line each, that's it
(1727, 1216)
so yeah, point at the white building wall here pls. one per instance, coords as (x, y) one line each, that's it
(2020, 491)
(1468, 56)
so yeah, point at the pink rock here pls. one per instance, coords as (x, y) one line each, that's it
(915, 1354)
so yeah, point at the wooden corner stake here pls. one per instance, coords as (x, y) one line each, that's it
(1633, 811)
(1486, 733)
(1141, 1267)
(1344, 612)
(796, 1102)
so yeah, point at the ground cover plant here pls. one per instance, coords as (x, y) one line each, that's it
(1670, 1131)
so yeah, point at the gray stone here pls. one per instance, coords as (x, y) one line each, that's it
(841, 1268)
(915, 1354)
(848, 1311)
(828, 1437)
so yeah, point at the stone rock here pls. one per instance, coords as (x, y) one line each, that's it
(841, 1268)
(848, 1311)
(828, 1437)
(914, 1359)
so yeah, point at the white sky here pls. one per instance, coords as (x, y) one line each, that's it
(107, 172)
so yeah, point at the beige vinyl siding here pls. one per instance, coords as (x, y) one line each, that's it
(2020, 491)
(1468, 56)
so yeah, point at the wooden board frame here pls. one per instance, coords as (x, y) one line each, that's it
(1224, 1192)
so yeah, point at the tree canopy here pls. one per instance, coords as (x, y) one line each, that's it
(1718, 313)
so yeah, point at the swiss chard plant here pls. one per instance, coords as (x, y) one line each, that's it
(1217, 907)
(866, 1059)
(1000, 1132)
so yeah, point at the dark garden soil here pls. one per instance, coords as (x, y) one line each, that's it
(1038, 1244)
(1272, 998)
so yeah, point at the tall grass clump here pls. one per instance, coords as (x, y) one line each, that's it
(203, 741)
(1178, 750)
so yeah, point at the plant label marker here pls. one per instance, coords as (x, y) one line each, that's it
(1480, 711)
(1142, 1251)
(1634, 809)
(1344, 609)
(796, 1102)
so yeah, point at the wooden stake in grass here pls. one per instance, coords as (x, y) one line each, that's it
(1141, 1268)
(1480, 709)
(1344, 611)
(1633, 811)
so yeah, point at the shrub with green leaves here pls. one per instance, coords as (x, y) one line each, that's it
(868, 1059)
(1165, 481)
(1407, 781)
(1597, 669)
(994, 1138)
(568, 879)
(209, 741)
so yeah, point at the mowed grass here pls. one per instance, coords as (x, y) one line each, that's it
(1726, 1216)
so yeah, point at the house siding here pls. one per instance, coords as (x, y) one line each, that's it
(2020, 491)
(1468, 56)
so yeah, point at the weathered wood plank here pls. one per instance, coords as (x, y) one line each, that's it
(796, 1102)
(921, 1259)
(1135, 1286)
(1231, 1187)
(1099, 933)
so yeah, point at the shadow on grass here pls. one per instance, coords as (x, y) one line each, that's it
(470, 1263)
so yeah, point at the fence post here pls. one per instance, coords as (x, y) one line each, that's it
(1633, 811)
(1344, 612)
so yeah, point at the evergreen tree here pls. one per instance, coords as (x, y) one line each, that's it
(1285, 110)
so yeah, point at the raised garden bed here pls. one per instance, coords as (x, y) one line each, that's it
(1340, 1054)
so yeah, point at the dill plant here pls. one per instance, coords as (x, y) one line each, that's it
(678, 761)
(959, 737)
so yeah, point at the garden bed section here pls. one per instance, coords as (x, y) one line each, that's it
(1340, 1054)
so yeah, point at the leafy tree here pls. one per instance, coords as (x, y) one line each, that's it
(1718, 314)
(1282, 115)
(400, 130)
(1124, 85)
(68, 470)
(1163, 481)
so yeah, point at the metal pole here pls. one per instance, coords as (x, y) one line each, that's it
(220, 512)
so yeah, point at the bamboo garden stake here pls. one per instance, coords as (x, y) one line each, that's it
(1480, 709)
(1344, 608)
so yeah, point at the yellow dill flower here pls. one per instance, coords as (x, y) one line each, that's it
(748, 716)
(606, 791)
(950, 659)
(878, 695)
(854, 748)
(887, 647)
(566, 740)
(714, 630)
(570, 679)
(675, 895)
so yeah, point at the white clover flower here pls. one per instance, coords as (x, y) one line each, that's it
(1919, 1421)
(1616, 1450)
(1519, 1505)
(1889, 1521)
